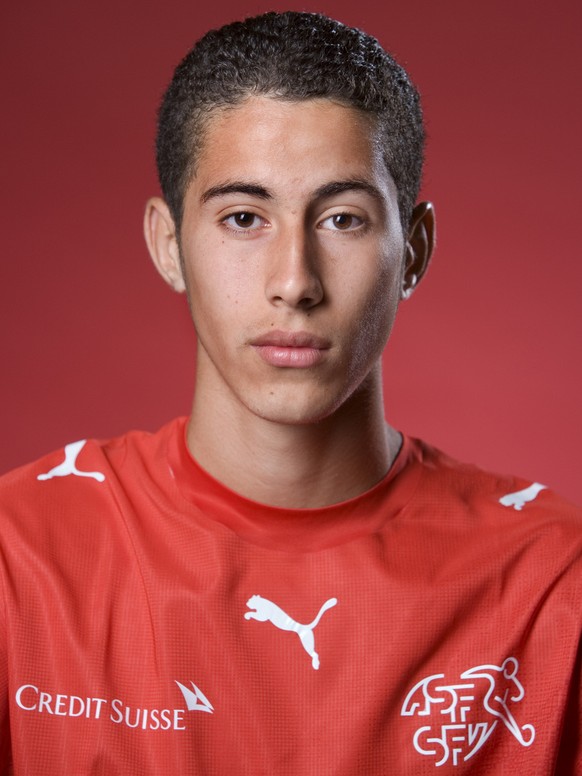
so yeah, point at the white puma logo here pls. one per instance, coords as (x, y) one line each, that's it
(518, 499)
(69, 465)
(265, 610)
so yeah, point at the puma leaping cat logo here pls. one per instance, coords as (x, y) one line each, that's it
(69, 465)
(520, 498)
(265, 610)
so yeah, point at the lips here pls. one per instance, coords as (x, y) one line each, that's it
(294, 349)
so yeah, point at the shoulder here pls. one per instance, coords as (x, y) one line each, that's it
(479, 533)
(445, 475)
(82, 471)
(493, 504)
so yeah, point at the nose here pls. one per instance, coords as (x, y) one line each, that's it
(293, 275)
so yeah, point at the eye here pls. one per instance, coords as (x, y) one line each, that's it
(243, 221)
(342, 222)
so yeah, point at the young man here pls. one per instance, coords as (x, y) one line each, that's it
(282, 583)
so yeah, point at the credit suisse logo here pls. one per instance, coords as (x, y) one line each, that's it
(34, 700)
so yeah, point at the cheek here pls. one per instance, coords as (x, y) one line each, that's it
(220, 297)
(213, 278)
(379, 316)
(378, 312)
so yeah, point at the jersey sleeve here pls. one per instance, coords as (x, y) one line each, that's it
(570, 752)
(5, 753)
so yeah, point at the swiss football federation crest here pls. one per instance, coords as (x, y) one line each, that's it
(461, 715)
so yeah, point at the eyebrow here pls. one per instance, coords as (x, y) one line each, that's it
(351, 184)
(236, 187)
(326, 190)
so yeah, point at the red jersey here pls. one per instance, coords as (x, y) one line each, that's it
(154, 622)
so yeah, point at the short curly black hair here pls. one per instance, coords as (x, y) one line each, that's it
(289, 56)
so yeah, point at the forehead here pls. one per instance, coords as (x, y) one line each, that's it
(308, 142)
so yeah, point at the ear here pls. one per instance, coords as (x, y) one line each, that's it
(419, 247)
(160, 236)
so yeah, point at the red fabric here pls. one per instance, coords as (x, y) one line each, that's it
(447, 603)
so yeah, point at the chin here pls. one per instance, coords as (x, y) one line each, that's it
(294, 411)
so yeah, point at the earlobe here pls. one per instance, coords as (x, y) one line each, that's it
(408, 285)
(419, 247)
(162, 242)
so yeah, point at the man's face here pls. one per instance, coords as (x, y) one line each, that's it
(292, 254)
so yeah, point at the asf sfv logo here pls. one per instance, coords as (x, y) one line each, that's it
(463, 714)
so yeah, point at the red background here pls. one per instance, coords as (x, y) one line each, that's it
(485, 359)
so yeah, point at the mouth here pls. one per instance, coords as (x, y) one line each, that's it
(292, 349)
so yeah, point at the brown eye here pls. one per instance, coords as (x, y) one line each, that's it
(244, 220)
(343, 221)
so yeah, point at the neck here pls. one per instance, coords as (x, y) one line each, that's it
(297, 466)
